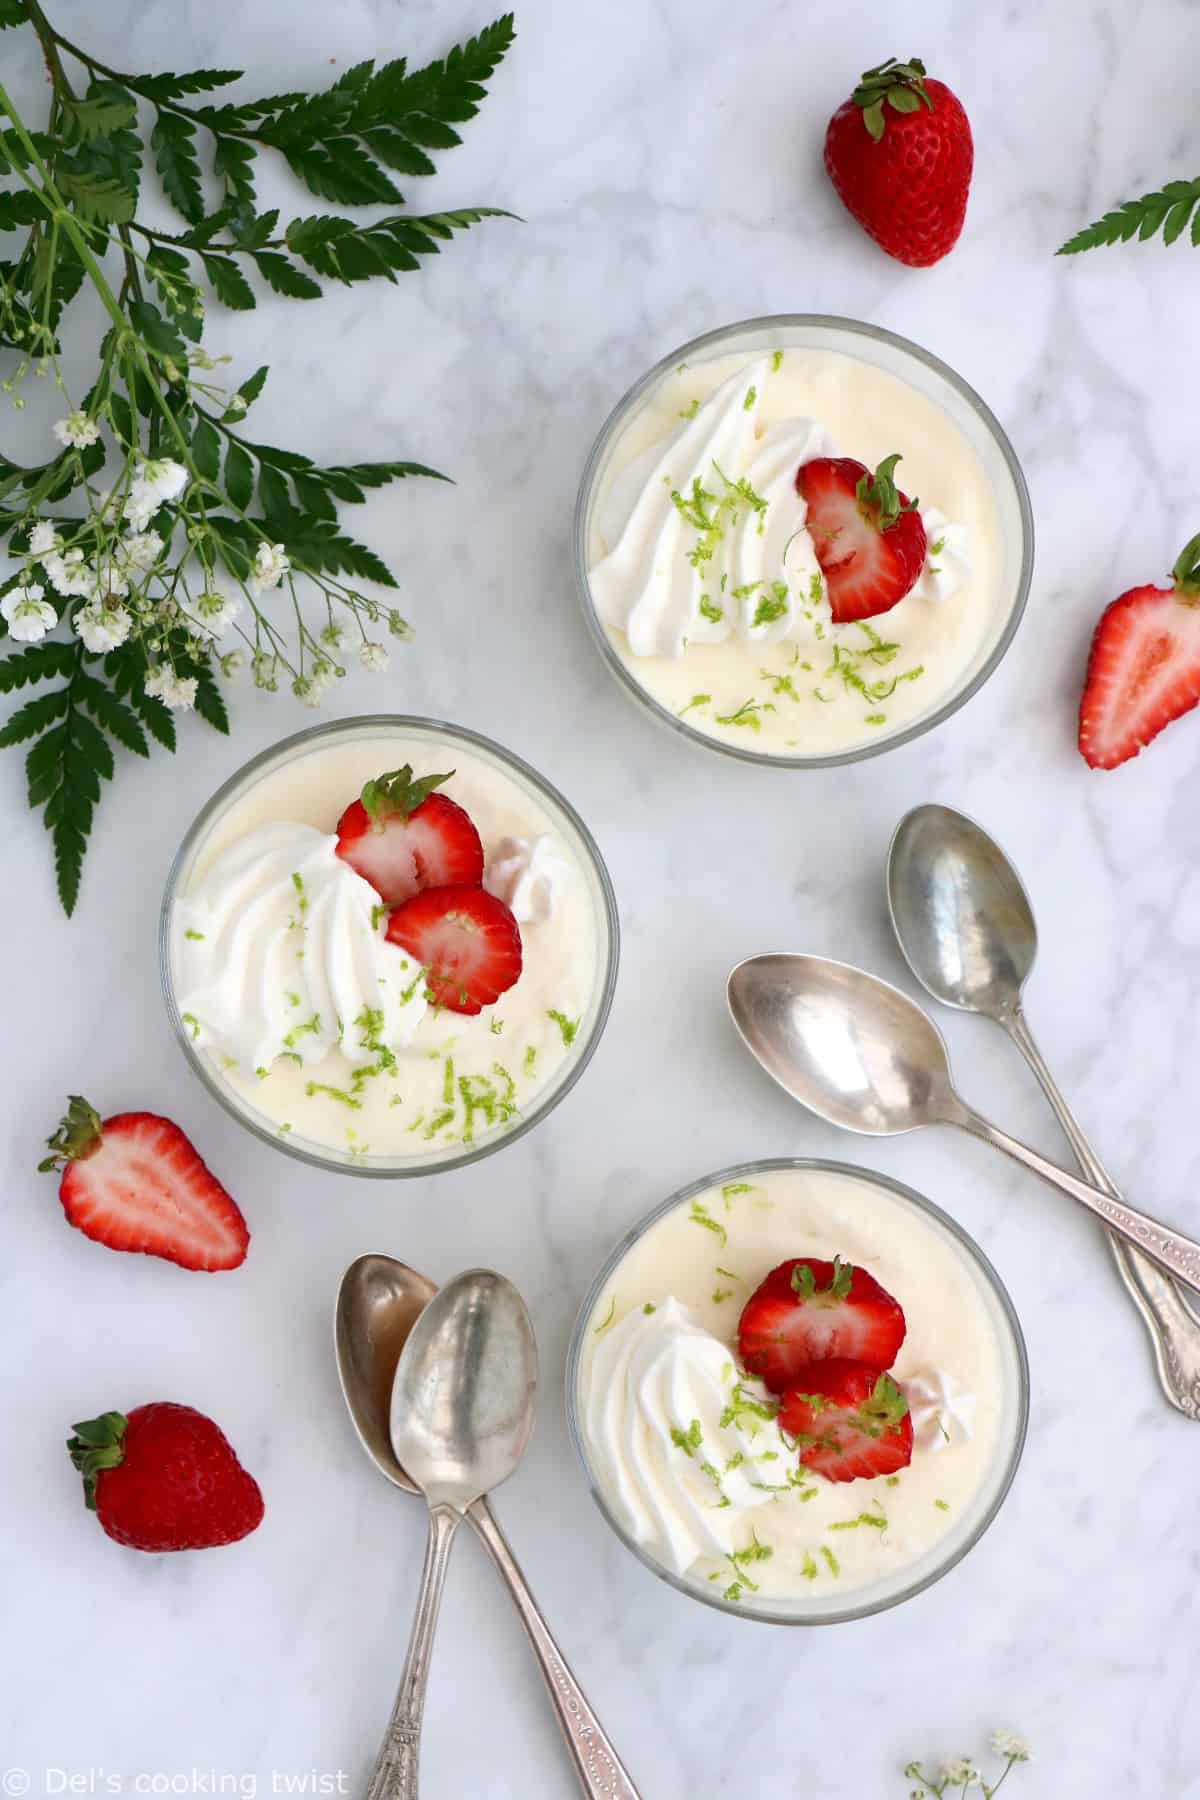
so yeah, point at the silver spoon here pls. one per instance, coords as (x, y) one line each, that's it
(861, 1054)
(461, 1414)
(379, 1302)
(966, 927)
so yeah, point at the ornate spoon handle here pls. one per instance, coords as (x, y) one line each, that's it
(595, 1761)
(1173, 1326)
(394, 1776)
(1179, 1254)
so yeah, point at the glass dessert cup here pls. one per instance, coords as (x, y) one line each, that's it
(295, 761)
(1011, 1409)
(938, 384)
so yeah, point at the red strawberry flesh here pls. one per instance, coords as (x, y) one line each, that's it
(1144, 666)
(467, 941)
(867, 536)
(850, 1420)
(403, 837)
(807, 1310)
(137, 1183)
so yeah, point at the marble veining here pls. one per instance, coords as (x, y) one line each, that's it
(665, 160)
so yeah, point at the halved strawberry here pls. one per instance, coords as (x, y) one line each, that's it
(807, 1310)
(402, 837)
(867, 535)
(1144, 667)
(467, 940)
(850, 1420)
(136, 1183)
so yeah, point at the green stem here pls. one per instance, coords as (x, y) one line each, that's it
(134, 82)
(48, 38)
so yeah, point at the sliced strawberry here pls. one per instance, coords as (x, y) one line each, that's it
(807, 1310)
(1144, 667)
(402, 837)
(467, 941)
(850, 1420)
(136, 1183)
(867, 535)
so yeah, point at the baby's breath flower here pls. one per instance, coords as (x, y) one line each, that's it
(142, 549)
(311, 688)
(961, 1773)
(200, 359)
(68, 572)
(109, 580)
(43, 539)
(156, 481)
(216, 611)
(374, 658)
(101, 627)
(1007, 1743)
(76, 431)
(28, 614)
(271, 564)
(334, 636)
(265, 670)
(232, 663)
(175, 691)
(398, 625)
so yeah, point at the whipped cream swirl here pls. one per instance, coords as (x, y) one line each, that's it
(688, 1446)
(529, 876)
(947, 560)
(943, 1412)
(704, 532)
(280, 951)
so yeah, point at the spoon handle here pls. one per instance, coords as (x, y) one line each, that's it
(595, 1761)
(1179, 1254)
(394, 1776)
(1174, 1328)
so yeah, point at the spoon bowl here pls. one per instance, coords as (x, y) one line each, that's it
(379, 1301)
(463, 1397)
(850, 1047)
(960, 913)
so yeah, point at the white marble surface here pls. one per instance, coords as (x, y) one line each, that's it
(666, 161)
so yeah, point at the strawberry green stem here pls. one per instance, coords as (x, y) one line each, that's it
(98, 1444)
(398, 794)
(1186, 573)
(900, 85)
(78, 1135)
(879, 498)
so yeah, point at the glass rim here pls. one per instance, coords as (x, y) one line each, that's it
(749, 1609)
(541, 1107)
(858, 328)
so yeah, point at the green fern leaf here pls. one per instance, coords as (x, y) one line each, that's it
(1167, 210)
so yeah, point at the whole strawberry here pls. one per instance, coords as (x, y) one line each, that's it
(899, 153)
(164, 1478)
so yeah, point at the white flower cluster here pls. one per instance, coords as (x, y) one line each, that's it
(27, 613)
(961, 1773)
(152, 486)
(1008, 1744)
(111, 581)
